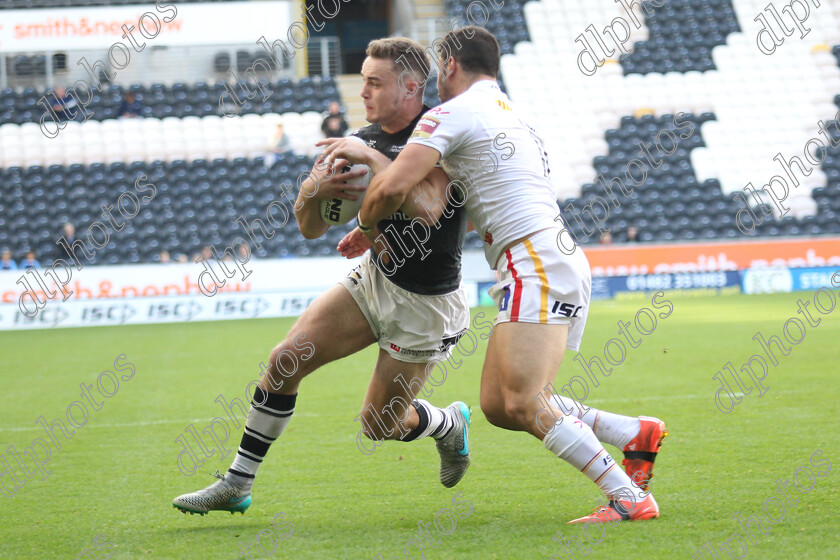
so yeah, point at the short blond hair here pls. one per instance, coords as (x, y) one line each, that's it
(409, 52)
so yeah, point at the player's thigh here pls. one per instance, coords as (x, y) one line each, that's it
(333, 324)
(542, 296)
(522, 358)
(491, 392)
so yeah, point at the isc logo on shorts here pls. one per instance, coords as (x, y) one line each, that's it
(566, 309)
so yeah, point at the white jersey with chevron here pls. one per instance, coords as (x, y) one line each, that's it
(498, 158)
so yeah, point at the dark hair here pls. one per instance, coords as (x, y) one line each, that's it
(475, 49)
(408, 51)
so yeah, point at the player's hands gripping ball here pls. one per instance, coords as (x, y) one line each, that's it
(345, 205)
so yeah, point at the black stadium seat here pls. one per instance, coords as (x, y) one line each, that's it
(185, 214)
(683, 208)
(682, 35)
(178, 100)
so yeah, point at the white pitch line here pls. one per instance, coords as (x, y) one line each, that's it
(648, 398)
(117, 425)
(139, 424)
(315, 415)
(709, 396)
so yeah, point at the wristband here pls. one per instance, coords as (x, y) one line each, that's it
(363, 228)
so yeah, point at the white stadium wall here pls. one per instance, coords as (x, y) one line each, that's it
(165, 293)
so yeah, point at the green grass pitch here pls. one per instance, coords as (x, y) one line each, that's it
(117, 476)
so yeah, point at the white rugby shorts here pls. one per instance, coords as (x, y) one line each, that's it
(410, 327)
(539, 283)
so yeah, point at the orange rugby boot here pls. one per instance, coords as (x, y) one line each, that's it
(640, 453)
(621, 510)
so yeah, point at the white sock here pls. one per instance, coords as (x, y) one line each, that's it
(615, 429)
(574, 442)
(572, 407)
(265, 423)
(434, 422)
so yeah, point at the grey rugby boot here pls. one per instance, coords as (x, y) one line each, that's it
(454, 448)
(219, 496)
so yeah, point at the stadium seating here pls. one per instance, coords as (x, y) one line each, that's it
(692, 57)
(507, 24)
(197, 204)
(153, 139)
(181, 100)
(696, 57)
(682, 35)
(672, 204)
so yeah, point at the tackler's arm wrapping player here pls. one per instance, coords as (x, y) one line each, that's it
(543, 292)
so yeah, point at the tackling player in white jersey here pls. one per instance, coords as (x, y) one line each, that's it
(544, 278)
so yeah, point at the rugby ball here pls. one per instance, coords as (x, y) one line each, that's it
(339, 211)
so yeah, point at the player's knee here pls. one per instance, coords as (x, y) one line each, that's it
(518, 411)
(494, 412)
(285, 364)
